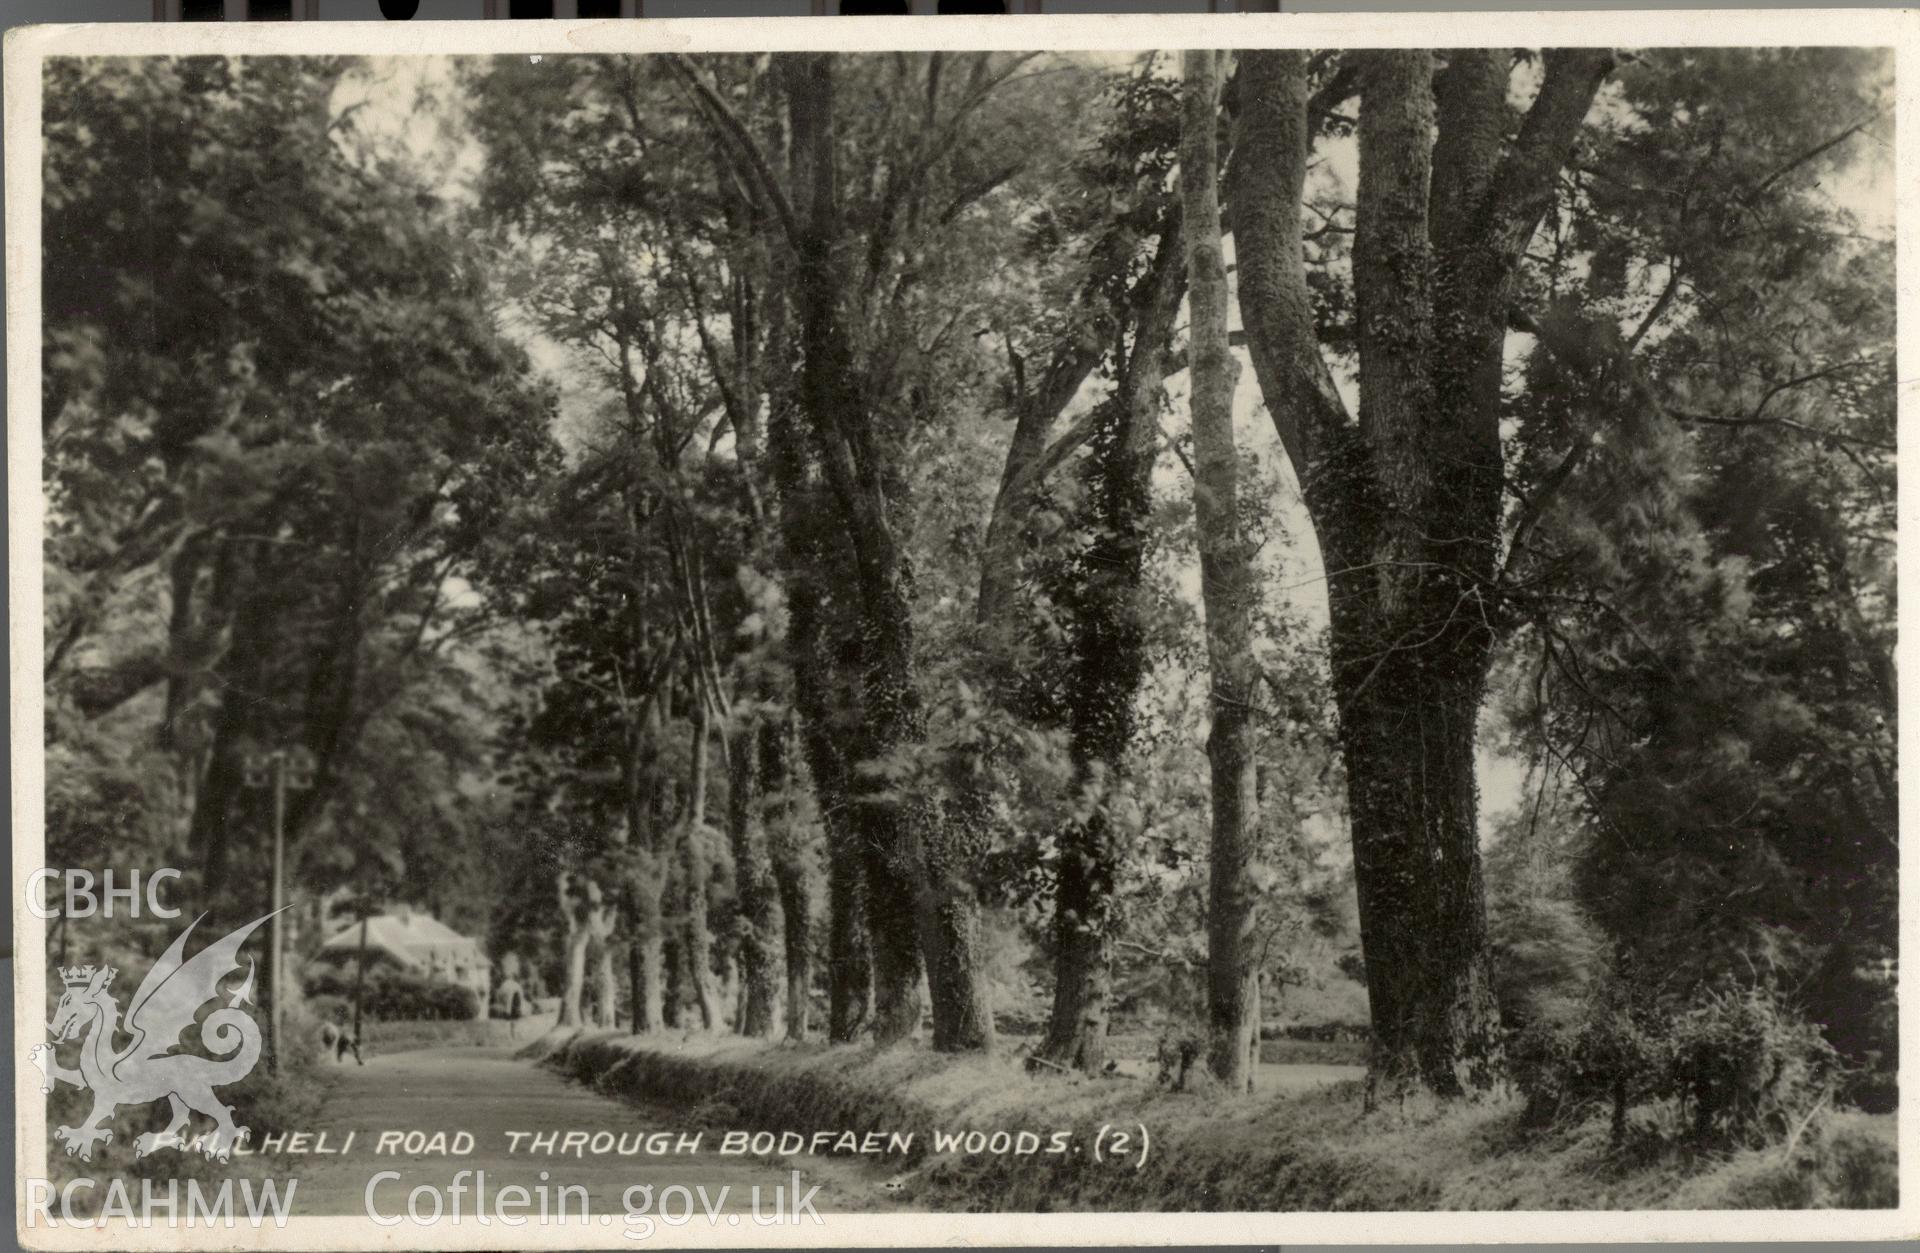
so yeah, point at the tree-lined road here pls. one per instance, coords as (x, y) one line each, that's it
(758, 540)
(490, 1094)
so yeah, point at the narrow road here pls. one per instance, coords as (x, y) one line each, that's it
(465, 1123)
(516, 1118)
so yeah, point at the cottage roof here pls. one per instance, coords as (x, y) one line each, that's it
(411, 936)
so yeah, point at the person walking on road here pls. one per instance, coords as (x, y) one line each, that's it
(512, 1001)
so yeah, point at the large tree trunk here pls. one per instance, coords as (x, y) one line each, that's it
(786, 839)
(673, 980)
(590, 917)
(1408, 741)
(849, 940)
(1407, 502)
(1082, 963)
(953, 840)
(894, 921)
(909, 894)
(644, 1019)
(790, 876)
(1227, 587)
(849, 955)
(629, 842)
(650, 974)
(184, 638)
(606, 985)
(218, 792)
(809, 560)
(644, 794)
(577, 939)
(962, 1008)
(807, 552)
(646, 882)
(696, 938)
(757, 896)
(647, 885)
(571, 997)
(1407, 714)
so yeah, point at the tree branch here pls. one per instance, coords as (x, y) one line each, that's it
(1264, 184)
(1660, 306)
(1810, 154)
(1471, 111)
(1523, 188)
(729, 124)
(1535, 507)
(1788, 424)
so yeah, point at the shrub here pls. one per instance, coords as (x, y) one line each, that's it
(326, 1007)
(1549, 954)
(328, 981)
(390, 993)
(1735, 1067)
(1746, 1068)
(1611, 1056)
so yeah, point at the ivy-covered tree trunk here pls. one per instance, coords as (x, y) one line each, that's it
(1409, 746)
(644, 1019)
(1109, 659)
(911, 896)
(786, 838)
(1228, 591)
(1082, 959)
(651, 838)
(696, 938)
(894, 919)
(1408, 713)
(804, 560)
(638, 877)
(758, 898)
(1407, 502)
(673, 979)
(241, 668)
(849, 955)
(849, 940)
(963, 1011)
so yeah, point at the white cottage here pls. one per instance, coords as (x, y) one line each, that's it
(417, 942)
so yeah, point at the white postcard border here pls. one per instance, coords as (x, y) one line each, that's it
(27, 47)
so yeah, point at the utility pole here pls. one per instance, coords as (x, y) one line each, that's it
(360, 981)
(280, 769)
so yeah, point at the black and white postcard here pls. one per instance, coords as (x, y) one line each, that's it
(1017, 630)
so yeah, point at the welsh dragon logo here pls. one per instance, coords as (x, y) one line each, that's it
(147, 1068)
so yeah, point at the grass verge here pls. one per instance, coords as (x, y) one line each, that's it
(1310, 1150)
